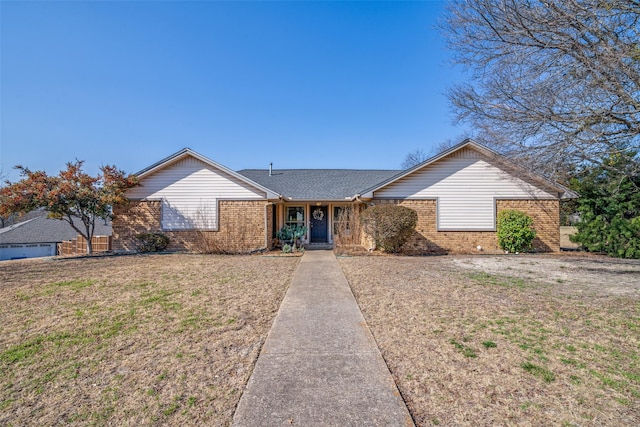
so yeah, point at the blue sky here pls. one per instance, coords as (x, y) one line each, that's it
(299, 84)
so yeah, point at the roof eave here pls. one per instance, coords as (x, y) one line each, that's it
(564, 192)
(371, 190)
(317, 199)
(270, 194)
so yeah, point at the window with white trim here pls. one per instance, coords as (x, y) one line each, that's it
(189, 215)
(294, 216)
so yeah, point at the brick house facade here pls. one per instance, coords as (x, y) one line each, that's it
(200, 204)
(428, 240)
(242, 229)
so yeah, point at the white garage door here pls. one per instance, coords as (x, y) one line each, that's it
(27, 251)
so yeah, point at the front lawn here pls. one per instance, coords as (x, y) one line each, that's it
(133, 340)
(507, 340)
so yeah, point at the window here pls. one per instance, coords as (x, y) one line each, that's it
(189, 215)
(294, 216)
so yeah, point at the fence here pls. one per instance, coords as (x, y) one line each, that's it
(78, 246)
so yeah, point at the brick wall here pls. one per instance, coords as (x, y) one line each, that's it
(135, 218)
(426, 239)
(241, 227)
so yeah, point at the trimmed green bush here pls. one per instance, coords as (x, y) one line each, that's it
(389, 225)
(514, 230)
(151, 242)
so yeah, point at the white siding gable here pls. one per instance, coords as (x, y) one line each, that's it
(190, 190)
(465, 186)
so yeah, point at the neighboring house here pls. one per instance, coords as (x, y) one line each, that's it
(39, 236)
(457, 195)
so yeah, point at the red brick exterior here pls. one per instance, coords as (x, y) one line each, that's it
(244, 226)
(428, 240)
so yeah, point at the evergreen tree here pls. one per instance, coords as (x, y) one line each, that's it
(609, 208)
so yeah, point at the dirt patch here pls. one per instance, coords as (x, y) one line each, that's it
(565, 241)
(570, 274)
(484, 340)
(133, 340)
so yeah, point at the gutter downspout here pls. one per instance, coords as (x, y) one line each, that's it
(266, 226)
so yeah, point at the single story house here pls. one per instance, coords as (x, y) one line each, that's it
(36, 235)
(457, 195)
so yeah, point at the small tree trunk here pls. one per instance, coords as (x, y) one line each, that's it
(89, 238)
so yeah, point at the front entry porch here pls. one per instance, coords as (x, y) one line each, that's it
(319, 218)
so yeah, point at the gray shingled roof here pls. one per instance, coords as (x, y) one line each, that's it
(46, 230)
(318, 184)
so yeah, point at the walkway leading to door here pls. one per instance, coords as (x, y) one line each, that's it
(320, 365)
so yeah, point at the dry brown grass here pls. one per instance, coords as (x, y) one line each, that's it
(508, 347)
(135, 340)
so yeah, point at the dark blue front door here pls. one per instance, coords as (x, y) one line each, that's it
(319, 224)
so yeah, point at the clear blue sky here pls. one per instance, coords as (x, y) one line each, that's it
(299, 84)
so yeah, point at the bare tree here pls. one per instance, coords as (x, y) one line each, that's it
(554, 82)
(445, 145)
(413, 158)
(419, 155)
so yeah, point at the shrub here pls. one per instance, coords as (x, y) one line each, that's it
(346, 229)
(389, 225)
(514, 230)
(151, 242)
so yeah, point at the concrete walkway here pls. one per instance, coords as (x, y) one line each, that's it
(320, 365)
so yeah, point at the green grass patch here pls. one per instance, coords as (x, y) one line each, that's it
(22, 296)
(487, 279)
(571, 362)
(465, 350)
(489, 344)
(173, 407)
(5, 404)
(194, 319)
(23, 351)
(539, 371)
(72, 284)
(616, 384)
(26, 350)
(161, 298)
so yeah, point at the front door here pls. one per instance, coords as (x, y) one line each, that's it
(319, 224)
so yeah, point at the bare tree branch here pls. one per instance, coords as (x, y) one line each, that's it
(553, 81)
(413, 158)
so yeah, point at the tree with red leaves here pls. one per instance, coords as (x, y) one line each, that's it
(71, 194)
